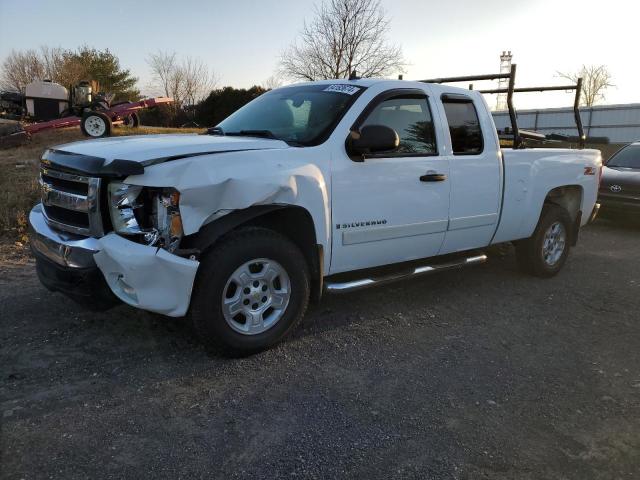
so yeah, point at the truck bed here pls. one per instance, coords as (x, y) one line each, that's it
(528, 177)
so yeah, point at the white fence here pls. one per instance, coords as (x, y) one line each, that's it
(618, 123)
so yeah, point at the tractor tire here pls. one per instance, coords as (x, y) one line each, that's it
(131, 121)
(95, 124)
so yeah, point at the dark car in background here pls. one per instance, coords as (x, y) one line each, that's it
(619, 193)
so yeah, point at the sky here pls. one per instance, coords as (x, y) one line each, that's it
(241, 40)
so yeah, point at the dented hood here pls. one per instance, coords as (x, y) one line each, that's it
(121, 156)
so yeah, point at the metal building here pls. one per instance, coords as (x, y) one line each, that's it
(617, 123)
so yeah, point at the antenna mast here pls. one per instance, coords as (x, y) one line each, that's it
(503, 83)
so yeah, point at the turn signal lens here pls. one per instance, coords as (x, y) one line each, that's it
(176, 226)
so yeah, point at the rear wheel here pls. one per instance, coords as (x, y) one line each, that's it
(95, 124)
(251, 291)
(545, 252)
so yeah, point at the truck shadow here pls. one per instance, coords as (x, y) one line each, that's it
(492, 288)
(621, 224)
(404, 299)
(381, 306)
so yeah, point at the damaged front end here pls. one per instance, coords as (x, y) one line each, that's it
(142, 223)
(96, 238)
(146, 277)
(139, 259)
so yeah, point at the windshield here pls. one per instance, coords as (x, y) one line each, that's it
(301, 115)
(628, 157)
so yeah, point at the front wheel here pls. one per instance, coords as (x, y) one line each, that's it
(252, 290)
(546, 251)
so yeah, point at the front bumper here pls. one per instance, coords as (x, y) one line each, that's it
(147, 277)
(64, 249)
(96, 271)
(86, 286)
(64, 263)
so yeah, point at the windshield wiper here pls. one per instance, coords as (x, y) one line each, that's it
(214, 131)
(254, 133)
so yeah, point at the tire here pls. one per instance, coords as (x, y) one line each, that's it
(220, 291)
(546, 251)
(131, 121)
(95, 124)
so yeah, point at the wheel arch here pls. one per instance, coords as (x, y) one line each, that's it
(569, 197)
(292, 221)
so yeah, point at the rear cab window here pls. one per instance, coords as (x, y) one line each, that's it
(464, 124)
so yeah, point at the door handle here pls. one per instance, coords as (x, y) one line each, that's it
(432, 176)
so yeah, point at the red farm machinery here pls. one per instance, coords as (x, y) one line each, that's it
(46, 105)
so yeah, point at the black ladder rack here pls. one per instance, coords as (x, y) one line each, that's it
(520, 135)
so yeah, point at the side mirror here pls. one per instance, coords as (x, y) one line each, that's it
(372, 139)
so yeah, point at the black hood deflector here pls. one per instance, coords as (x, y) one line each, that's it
(99, 167)
(92, 166)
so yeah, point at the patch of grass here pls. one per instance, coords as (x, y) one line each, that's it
(154, 130)
(18, 193)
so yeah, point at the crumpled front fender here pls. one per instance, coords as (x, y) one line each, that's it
(213, 186)
(146, 277)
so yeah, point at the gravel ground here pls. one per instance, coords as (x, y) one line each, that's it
(478, 373)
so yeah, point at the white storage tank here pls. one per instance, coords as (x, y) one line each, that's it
(45, 99)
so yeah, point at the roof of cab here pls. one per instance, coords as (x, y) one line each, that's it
(369, 82)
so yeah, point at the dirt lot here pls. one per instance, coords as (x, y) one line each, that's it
(482, 373)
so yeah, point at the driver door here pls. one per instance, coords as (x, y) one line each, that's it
(391, 207)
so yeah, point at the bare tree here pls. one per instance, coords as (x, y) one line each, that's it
(163, 68)
(68, 67)
(64, 67)
(344, 36)
(274, 81)
(54, 61)
(595, 80)
(198, 80)
(21, 68)
(187, 81)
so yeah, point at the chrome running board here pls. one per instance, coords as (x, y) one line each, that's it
(342, 287)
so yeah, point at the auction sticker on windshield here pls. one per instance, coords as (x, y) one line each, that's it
(348, 89)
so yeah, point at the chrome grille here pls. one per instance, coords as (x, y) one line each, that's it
(71, 202)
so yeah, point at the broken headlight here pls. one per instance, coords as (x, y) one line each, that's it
(146, 215)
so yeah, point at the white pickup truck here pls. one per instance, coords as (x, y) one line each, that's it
(318, 187)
